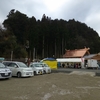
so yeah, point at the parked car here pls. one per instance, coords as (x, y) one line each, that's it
(46, 68)
(5, 73)
(19, 69)
(37, 68)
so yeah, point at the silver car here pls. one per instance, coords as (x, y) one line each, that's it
(37, 68)
(46, 68)
(19, 69)
(5, 72)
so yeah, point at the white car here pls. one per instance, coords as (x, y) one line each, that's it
(37, 68)
(19, 69)
(46, 68)
(5, 72)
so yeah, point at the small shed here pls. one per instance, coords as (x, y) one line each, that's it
(51, 62)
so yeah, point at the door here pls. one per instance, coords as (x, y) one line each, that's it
(14, 68)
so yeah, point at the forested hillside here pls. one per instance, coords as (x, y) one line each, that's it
(44, 38)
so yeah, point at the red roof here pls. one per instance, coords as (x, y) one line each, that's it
(97, 56)
(76, 53)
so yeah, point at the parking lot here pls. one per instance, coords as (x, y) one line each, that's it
(54, 86)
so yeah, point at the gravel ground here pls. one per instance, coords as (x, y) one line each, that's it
(54, 86)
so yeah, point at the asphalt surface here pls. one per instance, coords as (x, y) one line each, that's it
(69, 70)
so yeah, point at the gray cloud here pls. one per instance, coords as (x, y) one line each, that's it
(86, 11)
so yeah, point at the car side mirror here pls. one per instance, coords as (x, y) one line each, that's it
(15, 66)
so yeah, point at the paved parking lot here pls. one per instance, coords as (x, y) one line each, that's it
(54, 86)
(69, 70)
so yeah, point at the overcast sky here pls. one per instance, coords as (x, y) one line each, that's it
(85, 11)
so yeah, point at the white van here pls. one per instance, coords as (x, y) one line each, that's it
(92, 63)
(19, 69)
(37, 68)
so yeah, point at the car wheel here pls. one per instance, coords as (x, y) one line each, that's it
(19, 75)
(44, 72)
(34, 73)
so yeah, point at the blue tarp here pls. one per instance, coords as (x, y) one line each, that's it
(51, 59)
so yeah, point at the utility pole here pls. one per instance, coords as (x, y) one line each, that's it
(11, 55)
(43, 48)
(33, 53)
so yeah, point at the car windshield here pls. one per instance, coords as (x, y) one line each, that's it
(46, 65)
(43, 64)
(37, 65)
(22, 64)
(2, 65)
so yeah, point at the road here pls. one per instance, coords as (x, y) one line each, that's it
(68, 70)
